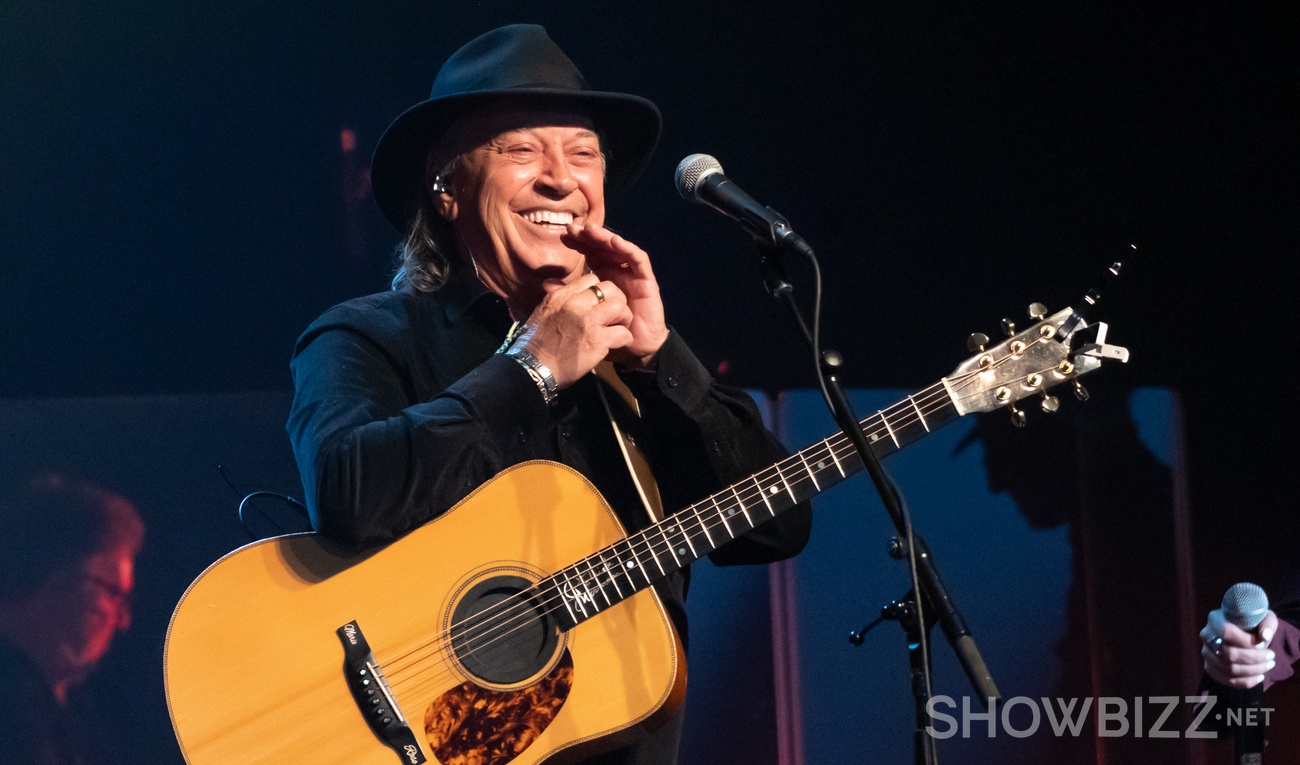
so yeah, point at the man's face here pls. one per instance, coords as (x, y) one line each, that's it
(97, 607)
(524, 176)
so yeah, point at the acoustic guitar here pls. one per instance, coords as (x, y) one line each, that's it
(518, 627)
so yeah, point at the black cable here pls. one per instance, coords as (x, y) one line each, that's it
(239, 512)
(887, 483)
(243, 522)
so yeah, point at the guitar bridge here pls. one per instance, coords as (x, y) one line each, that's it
(374, 698)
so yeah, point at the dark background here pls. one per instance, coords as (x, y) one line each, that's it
(176, 203)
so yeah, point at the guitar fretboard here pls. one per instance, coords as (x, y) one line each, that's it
(613, 573)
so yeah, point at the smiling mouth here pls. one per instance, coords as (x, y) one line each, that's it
(548, 217)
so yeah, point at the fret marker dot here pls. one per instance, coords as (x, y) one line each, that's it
(773, 490)
(821, 464)
(681, 550)
(631, 564)
(732, 511)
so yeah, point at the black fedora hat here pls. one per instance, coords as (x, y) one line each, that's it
(516, 61)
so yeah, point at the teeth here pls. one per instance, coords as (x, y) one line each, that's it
(547, 216)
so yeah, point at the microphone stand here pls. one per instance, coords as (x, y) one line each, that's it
(935, 604)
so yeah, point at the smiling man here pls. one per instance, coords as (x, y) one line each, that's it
(518, 328)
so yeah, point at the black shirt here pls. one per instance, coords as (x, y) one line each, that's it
(34, 728)
(402, 407)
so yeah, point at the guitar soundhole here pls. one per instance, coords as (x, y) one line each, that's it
(501, 633)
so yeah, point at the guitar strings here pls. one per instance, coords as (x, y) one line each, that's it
(499, 629)
(495, 623)
(708, 516)
(833, 445)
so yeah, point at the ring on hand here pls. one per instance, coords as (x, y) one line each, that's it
(600, 294)
(1216, 646)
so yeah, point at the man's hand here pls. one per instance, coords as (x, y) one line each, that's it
(575, 326)
(621, 263)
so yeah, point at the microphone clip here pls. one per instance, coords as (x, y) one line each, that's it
(784, 236)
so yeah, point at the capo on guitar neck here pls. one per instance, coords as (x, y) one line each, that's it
(1099, 349)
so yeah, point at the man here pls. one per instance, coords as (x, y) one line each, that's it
(66, 574)
(406, 401)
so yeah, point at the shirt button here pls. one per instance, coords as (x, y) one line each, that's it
(564, 433)
(522, 437)
(672, 382)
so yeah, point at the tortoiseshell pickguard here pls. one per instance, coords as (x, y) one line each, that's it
(469, 725)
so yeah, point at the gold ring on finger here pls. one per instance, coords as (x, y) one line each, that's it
(600, 294)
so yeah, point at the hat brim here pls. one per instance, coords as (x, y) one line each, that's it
(629, 128)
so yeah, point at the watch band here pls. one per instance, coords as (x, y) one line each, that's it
(540, 373)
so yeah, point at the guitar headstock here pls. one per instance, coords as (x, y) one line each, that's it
(1030, 363)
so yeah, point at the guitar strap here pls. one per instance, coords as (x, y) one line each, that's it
(637, 465)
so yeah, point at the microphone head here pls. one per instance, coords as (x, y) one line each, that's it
(691, 171)
(1245, 605)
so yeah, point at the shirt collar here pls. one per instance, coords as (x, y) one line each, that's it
(462, 291)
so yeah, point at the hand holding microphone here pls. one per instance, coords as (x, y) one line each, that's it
(1235, 638)
(1235, 652)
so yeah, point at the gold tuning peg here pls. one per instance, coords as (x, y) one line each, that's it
(976, 342)
(1008, 327)
(1037, 311)
(1080, 392)
(1018, 417)
(1050, 403)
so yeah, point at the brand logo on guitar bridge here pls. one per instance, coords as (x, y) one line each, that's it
(350, 630)
(412, 753)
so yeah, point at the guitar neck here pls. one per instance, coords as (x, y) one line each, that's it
(613, 573)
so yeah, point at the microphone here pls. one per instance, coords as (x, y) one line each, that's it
(1246, 605)
(699, 178)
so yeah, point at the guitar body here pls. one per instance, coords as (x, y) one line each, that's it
(254, 660)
